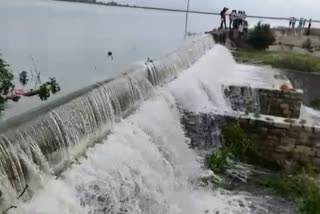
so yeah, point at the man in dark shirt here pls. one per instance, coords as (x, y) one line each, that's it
(223, 15)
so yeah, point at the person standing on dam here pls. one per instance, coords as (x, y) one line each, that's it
(223, 15)
(232, 18)
(310, 23)
(294, 20)
(309, 27)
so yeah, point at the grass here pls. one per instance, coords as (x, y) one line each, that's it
(217, 161)
(298, 184)
(280, 59)
(237, 146)
(301, 189)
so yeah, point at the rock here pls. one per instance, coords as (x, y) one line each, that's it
(237, 176)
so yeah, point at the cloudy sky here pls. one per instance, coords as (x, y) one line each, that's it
(281, 8)
(286, 8)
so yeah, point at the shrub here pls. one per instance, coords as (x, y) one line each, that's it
(6, 77)
(243, 149)
(307, 44)
(261, 37)
(304, 190)
(217, 161)
(238, 143)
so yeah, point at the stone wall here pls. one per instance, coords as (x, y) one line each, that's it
(297, 37)
(283, 140)
(265, 101)
(279, 139)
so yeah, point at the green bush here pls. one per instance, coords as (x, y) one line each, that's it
(6, 77)
(307, 44)
(261, 37)
(303, 190)
(238, 143)
(217, 161)
(243, 149)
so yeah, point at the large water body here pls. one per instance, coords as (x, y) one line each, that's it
(69, 41)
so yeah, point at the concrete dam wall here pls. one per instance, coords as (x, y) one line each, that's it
(49, 138)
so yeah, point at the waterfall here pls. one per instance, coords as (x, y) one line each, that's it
(46, 140)
(167, 67)
(145, 164)
(144, 167)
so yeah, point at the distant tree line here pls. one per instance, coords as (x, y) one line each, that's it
(111, 3)
(84, 1)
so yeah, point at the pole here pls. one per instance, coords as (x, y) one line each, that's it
(186, 26)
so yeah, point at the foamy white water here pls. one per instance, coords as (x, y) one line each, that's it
(200, 88)
(311, 115)
(254, 76)
(145, 165)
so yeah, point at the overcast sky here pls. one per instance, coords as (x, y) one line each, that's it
(281, 8)
(285, 8)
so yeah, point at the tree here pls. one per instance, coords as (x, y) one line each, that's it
(261, 37)
(6, 77)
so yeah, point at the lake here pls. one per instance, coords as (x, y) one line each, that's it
(70, 41)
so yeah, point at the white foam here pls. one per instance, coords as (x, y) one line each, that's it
(200, 88)
(145, 165)
(310, 115)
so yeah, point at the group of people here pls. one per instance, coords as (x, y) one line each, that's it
(237, 19)
(302, 22)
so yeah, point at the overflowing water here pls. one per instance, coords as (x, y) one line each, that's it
(311, 115)
(144, 166)
(201, 87)
(50, 137)
(140, 164)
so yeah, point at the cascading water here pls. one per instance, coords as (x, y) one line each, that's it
(54, 139)
(167, 67)
(145, 164)
(311, 115)
(46, 140)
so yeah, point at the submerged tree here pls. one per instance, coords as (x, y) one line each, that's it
(9, 92)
